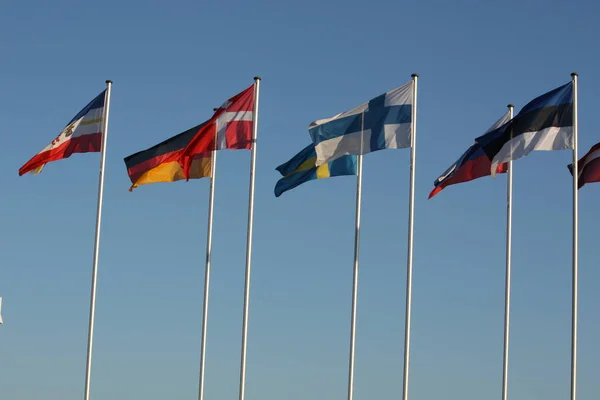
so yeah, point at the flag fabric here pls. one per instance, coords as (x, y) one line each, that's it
(229, 128)
(83, 134)
(473, 164)
(301, 168)
(545, 123)
(588, 167)
(1, 311)
(382, 123)
(160, 163)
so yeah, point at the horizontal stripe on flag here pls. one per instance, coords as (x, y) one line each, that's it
(588, 167)
(384, 122)
(301, 168)
(171, 171)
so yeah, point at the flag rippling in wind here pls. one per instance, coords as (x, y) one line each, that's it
(473, 164)
(160, 163)
(545, 123)
(83, 134)
(229, 128)
(384, 122)
(301, 168)
(588, 167)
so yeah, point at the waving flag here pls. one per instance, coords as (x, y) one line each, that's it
(83, 134)
(545, 123)
(301, 168)
(588, 167)
(229, 128)
(159, 163)
(382, 123)
(473, 164)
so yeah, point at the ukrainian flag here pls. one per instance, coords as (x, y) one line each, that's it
(160, 163)
(301, 168)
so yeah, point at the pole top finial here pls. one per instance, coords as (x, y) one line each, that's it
(574, 74)
(257, 78)
(510, 105)
(108, 81)
(414, 76)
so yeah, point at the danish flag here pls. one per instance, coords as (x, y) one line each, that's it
(229, 128)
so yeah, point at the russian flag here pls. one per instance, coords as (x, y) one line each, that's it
(473, 164)
(83, 134)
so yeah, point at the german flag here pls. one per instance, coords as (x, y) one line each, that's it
(159, 163)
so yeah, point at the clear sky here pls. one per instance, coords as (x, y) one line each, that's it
(171, 63)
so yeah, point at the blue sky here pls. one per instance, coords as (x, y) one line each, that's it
(171, 63)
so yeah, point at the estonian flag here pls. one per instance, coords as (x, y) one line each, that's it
(160, 163)
(301, 168)
(545, 123)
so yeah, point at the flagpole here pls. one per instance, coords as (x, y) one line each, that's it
(249, 240)
(409, 263)
(211, 203)
(355, 274)
(88, 365)
(574, 76)
(509, 193)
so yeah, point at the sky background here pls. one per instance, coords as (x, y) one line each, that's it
(171, 63)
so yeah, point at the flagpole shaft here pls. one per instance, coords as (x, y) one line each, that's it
(211, 202)
(355, 273)
(409, 263)
(509, 195)
(575, 243)
(88, 365)
(242, 390)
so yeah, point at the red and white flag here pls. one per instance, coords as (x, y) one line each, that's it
(588, 167)
(229, 128)
(83, 134)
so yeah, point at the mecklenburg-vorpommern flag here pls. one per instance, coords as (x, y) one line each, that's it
(160, 163)
(473, 164)
(386, 125)
(588, 167)
(301, 168)
(83, 134)
(545, 123)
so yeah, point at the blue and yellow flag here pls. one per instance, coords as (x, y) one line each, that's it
(301, 168)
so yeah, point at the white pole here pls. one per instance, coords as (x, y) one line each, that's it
(409, 263)
(574, 76)
(211, 202)
(355, 274)
(88, 365)
(509, 185)
(249, 240)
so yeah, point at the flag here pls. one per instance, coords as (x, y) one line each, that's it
(473, 164)
(301, 168)
(229, 128)
(382, 123)
(83, 134)
(545, 123)
(160, 163)
(588, 167)
(1, 311)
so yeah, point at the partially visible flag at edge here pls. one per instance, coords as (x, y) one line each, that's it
(588, 167)
(545, 123)
(83, 134)
(386, 125)
(230, 127)
(301, 168)
(473, 164)
(160, 162)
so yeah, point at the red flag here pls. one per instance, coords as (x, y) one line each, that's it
(229, 128)
(588, 167)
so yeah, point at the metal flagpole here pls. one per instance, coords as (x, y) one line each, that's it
(211, 203)
(249, 240)
(409, 263)
(574, 76)
(509, 185)
(355, 275)
(88, 365)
